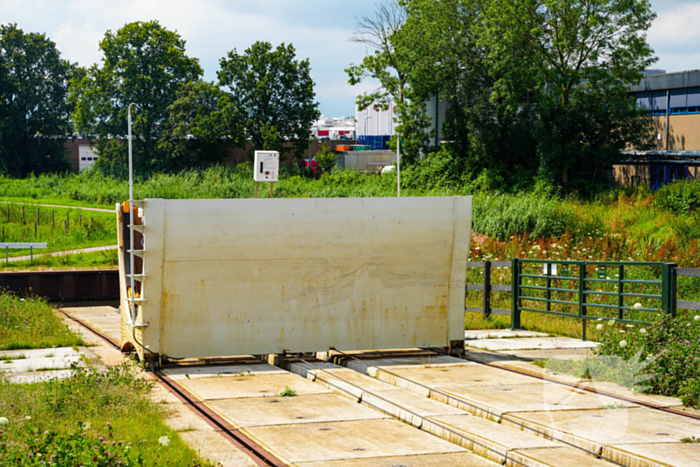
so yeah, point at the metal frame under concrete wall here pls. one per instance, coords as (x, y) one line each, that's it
(245, 276)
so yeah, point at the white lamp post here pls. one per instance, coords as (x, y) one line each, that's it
(131, 215)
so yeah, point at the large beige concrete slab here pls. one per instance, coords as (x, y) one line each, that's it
(232, 387)
(309, 408)
(462, 459)
(432, 360)
(530, 343)
(489, 438)
(209, 371)
(242, 276)
(593, 429)
(212, 446)
(313, 442)
(544, 354)
(342, 379)
(467, 376)
(655, 454)
(507, 398)
(555, 457)
(500, 334)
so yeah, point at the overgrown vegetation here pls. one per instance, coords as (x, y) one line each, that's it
(31, 324)
(90, 419)
(105, 259)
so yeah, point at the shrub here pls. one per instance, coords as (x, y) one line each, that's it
(538, 213)
(672, 346)
(680, 197)
(326, 158)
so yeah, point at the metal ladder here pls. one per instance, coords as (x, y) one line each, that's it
(131, 298)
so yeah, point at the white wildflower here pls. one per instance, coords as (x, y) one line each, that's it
(637, 306)
(642, 331)
(623, 343)
(4, 421)
(697, 318)
(86, 426)
(630, 325)
(599, 327)
(164, 441)
(27, 417)
(611, 322)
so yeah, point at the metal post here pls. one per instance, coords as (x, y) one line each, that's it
(398, 164)
(487, 289)
(549, 285)
(515, 287)
(7, 255)
(256, 184)
(131, 215)
(582, 296)
(668, 289)
(620, 291)
(31, 255)
(272, 184)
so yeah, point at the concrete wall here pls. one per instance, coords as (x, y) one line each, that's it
(247, 276)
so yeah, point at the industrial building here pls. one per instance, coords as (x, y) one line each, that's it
(673, 99)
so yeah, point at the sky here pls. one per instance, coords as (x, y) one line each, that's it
(319, 31)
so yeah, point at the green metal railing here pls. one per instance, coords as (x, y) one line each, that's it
(576, 279)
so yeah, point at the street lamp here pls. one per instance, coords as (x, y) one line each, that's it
(131, 215)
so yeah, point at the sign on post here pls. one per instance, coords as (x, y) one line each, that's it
(266, 168)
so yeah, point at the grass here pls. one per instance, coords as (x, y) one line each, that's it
(92, 419)
(288, 392)
(8, 358)
(31, 223)
(32, 324)
(106, 259)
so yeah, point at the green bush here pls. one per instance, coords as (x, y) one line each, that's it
(538, 213)
(670, 345)
(680, 197)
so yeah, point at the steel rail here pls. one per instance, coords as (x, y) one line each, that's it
(257, 453)
(484, 410)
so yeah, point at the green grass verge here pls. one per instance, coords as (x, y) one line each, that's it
(90, 419)
(21, 223)
(106, 259)
(32, 324)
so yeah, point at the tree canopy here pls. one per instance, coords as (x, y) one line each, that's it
(34, 113)
(533, 88)
(143, 63)
(271, 96)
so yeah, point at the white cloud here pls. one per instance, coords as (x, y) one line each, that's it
(674, 35)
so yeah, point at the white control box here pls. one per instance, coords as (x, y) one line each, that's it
(267, 166)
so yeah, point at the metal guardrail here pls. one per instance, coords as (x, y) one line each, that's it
(21, 246)
(487, 287)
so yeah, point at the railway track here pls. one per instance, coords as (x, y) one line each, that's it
(256, 452)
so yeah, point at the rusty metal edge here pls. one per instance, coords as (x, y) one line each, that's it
(242, 442)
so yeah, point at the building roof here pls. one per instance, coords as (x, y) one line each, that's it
(680, 79)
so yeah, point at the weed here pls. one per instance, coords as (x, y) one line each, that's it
(31, 324)
(288, 392)
(691, 439)
(8, 358)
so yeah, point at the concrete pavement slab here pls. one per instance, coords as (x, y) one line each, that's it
(473, 375)
(462, 459)
(593, 429)
(420, 361)
(38, 376)
(489, 439)
(313, 442)
(500, 334)
(556, 457)
(256, 385)
(655, 454)
(193, 372)
(544, 354)
(530, 343)
(507, 398)
(309, 408)
(214, 447)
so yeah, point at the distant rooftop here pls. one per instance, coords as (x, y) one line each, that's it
(679, 79)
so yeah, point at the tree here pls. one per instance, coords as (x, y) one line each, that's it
(391, 66)
(196, 124)
(569, 57)
(271, 97)
(143, 63)
(34, 113)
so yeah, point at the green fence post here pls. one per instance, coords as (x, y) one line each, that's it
(668, 289)
(515, 309)
(582, 296)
